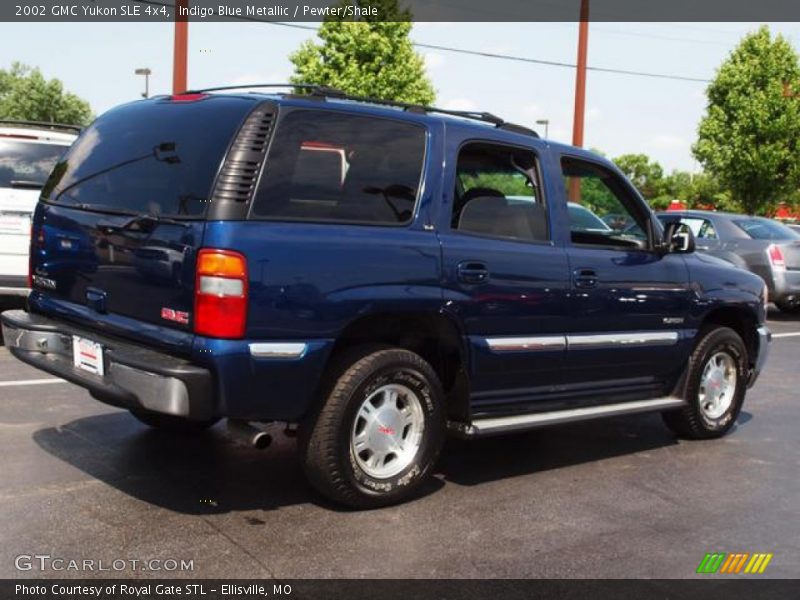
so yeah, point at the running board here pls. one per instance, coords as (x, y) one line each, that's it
(499, 425)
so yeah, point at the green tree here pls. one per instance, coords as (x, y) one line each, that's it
(748, 138)
(646, 175)
(26, 95)
(368, 57)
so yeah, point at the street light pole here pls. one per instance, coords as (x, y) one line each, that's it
(580, 95)
(146, 72)
(546, 123)
(180, 57)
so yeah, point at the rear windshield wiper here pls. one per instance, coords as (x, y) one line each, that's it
(24, 184)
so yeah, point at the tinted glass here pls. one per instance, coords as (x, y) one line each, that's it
(603, 193)
(581, 218)
(764, 229)
(330, 166)
(497, 193)
(157, 157)
(26, 163)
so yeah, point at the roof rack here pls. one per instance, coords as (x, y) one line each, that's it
(317, 90)
(328, 92)
(41, 125)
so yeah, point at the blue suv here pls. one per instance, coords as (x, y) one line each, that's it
(376, 275)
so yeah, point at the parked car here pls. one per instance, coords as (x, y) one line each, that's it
(28, 152)
(439, 282)
(765, 247)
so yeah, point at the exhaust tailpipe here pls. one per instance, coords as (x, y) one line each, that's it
(249, 434)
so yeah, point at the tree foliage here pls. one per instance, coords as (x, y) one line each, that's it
(26, 95)
(368, 57)
(748, 138)
(646, 175)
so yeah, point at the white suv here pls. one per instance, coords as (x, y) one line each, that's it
(28, 152)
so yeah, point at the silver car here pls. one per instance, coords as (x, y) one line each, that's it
(763, 246)
(28, 152)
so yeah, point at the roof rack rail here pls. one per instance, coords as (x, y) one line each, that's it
(42, 125)
(317, 90)
(328, 92)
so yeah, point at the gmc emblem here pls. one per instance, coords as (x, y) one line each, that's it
(178, 316)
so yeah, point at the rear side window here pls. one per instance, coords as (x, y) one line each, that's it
(764, 229)
(24, 164)
(158, 157)
(335, 167)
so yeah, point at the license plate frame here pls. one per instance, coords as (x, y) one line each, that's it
(87, 355)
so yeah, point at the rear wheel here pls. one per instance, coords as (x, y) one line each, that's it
(171, 422)
(379, 432)
(715, 386)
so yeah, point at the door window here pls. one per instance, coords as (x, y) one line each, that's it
(602, 210)
(497, 194)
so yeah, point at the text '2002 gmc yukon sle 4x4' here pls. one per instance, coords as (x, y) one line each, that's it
(377, 274)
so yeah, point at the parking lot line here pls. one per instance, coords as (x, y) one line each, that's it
(783, 335)
(31, 382)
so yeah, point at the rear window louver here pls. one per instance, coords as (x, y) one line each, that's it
(239, 174)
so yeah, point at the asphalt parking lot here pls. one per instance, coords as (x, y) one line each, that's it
(616, 498)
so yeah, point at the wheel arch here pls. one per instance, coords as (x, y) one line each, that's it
(742, 320)
(435, 336)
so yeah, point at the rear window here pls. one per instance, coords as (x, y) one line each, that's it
(26, 163)
(764, 229)
(157, 157)
(335, 167)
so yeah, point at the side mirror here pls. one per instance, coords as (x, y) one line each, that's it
(678, 238)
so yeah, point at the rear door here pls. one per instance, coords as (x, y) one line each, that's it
(504, 278)
(116, 237)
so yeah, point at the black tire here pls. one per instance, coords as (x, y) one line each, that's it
(172, 423)
(790, 309)
(693, 421)
(330, 461)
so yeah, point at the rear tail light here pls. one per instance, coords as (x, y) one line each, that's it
(776, 257)
(37, 243)
(220, 296)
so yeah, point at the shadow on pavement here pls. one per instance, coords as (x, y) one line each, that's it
(208, 473)
(489, 459)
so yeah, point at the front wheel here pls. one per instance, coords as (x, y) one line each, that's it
(715, 386)
(379, 431)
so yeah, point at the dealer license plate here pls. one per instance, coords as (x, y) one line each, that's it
(87, 355)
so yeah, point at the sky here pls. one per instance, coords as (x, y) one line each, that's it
(624, 113)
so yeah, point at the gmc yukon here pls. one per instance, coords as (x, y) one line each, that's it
(375, 274)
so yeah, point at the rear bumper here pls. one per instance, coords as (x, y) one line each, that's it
(764, 340)
(135, 377)
(786, 287)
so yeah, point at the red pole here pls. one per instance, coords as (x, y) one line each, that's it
(580, 76)
(180, 55)
(580, 93)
